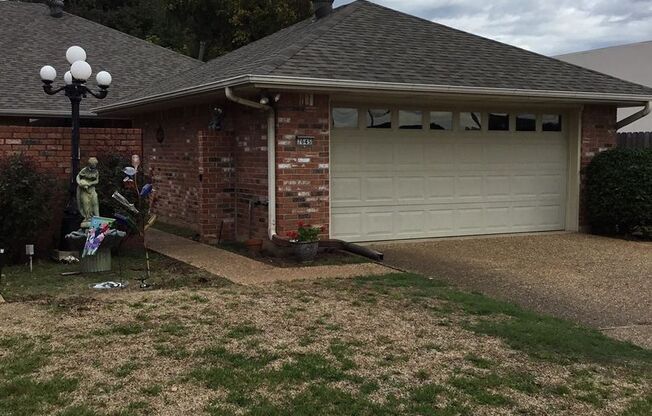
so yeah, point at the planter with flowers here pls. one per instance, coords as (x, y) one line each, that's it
(305, 241)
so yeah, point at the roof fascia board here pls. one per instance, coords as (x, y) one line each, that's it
(42, 113)
(199, 89)
(330, 84)
(274, 81)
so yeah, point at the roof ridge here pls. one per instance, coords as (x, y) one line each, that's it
(350, 8)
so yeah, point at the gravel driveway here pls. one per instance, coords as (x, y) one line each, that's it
(602, 282)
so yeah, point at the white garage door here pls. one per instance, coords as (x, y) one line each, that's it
(399, 184)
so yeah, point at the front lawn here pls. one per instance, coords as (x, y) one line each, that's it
(399, 344)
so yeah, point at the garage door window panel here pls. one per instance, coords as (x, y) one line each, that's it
(470, 121)
(498, 122)
(378, 118)
(345, 118)
(441, 120)
(551, 122)
(410, 120)
(526, 122)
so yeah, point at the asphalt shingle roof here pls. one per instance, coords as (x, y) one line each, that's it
(31, 38)
(363, 41)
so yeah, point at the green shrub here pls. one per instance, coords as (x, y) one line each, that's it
(26, 201)
(619, 191)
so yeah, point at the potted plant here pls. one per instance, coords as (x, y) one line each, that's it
(305, 241)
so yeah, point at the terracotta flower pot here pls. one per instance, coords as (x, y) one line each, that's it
(306, 250)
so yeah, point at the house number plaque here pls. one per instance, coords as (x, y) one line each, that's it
(305, 141)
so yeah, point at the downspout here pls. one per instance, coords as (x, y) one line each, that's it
(634, 117)
(271, 155)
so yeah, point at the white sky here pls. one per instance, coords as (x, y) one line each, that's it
(549, 27)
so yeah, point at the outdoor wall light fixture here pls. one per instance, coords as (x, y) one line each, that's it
(216, 119)
(75, 89)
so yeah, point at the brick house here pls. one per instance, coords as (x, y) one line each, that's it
(377, 125)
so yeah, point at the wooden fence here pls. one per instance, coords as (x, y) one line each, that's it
(640, 140)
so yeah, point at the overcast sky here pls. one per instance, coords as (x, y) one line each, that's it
(549, 27)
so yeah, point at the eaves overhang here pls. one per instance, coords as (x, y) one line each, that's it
(325, 84)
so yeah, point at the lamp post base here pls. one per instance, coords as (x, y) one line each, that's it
(69, 223)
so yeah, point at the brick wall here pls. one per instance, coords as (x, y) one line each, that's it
(50, 148)
(302, 172)
(216, 177)
(598, 134)
(205, 178)
(173, 162)
(211, 180)
(250, 162)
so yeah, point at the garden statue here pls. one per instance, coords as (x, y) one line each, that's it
(97, 235)
(87, 201)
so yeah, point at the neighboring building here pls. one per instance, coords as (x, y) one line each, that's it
(31, 37)
(631, 62)
(379, 126)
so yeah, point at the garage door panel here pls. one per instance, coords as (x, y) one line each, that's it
(391, 185)
(440, 221)
(440, 188)
(439, 153)
(379, 224)
(469, 219)
(469, 153)
(410, 222)
(497, 219)
(347, 154)
(347, 225)
(347, 190)
(469, 188)
(378, 155)
(497, 186)
(411, 189)
(549, 215)
(409, 152)
(379, 189)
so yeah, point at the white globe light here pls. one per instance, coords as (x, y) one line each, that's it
(103, 79)
(48, 73)
(75, 53)
(81, 71)
(67, 78)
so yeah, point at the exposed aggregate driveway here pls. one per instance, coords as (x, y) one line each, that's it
(601, 282)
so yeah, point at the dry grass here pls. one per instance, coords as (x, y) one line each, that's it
(337, 346)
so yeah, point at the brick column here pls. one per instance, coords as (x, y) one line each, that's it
(302, 177)
(216, 183)
(598, 134)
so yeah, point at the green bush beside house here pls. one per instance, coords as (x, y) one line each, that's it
(619, 192)
(27, 199)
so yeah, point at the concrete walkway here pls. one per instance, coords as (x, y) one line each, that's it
(246, 271)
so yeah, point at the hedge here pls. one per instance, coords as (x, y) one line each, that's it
(619, 192)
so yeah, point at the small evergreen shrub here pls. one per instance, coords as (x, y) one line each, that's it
(26, 202)
(619, 192)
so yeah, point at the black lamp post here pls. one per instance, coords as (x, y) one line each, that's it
(75, 89)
